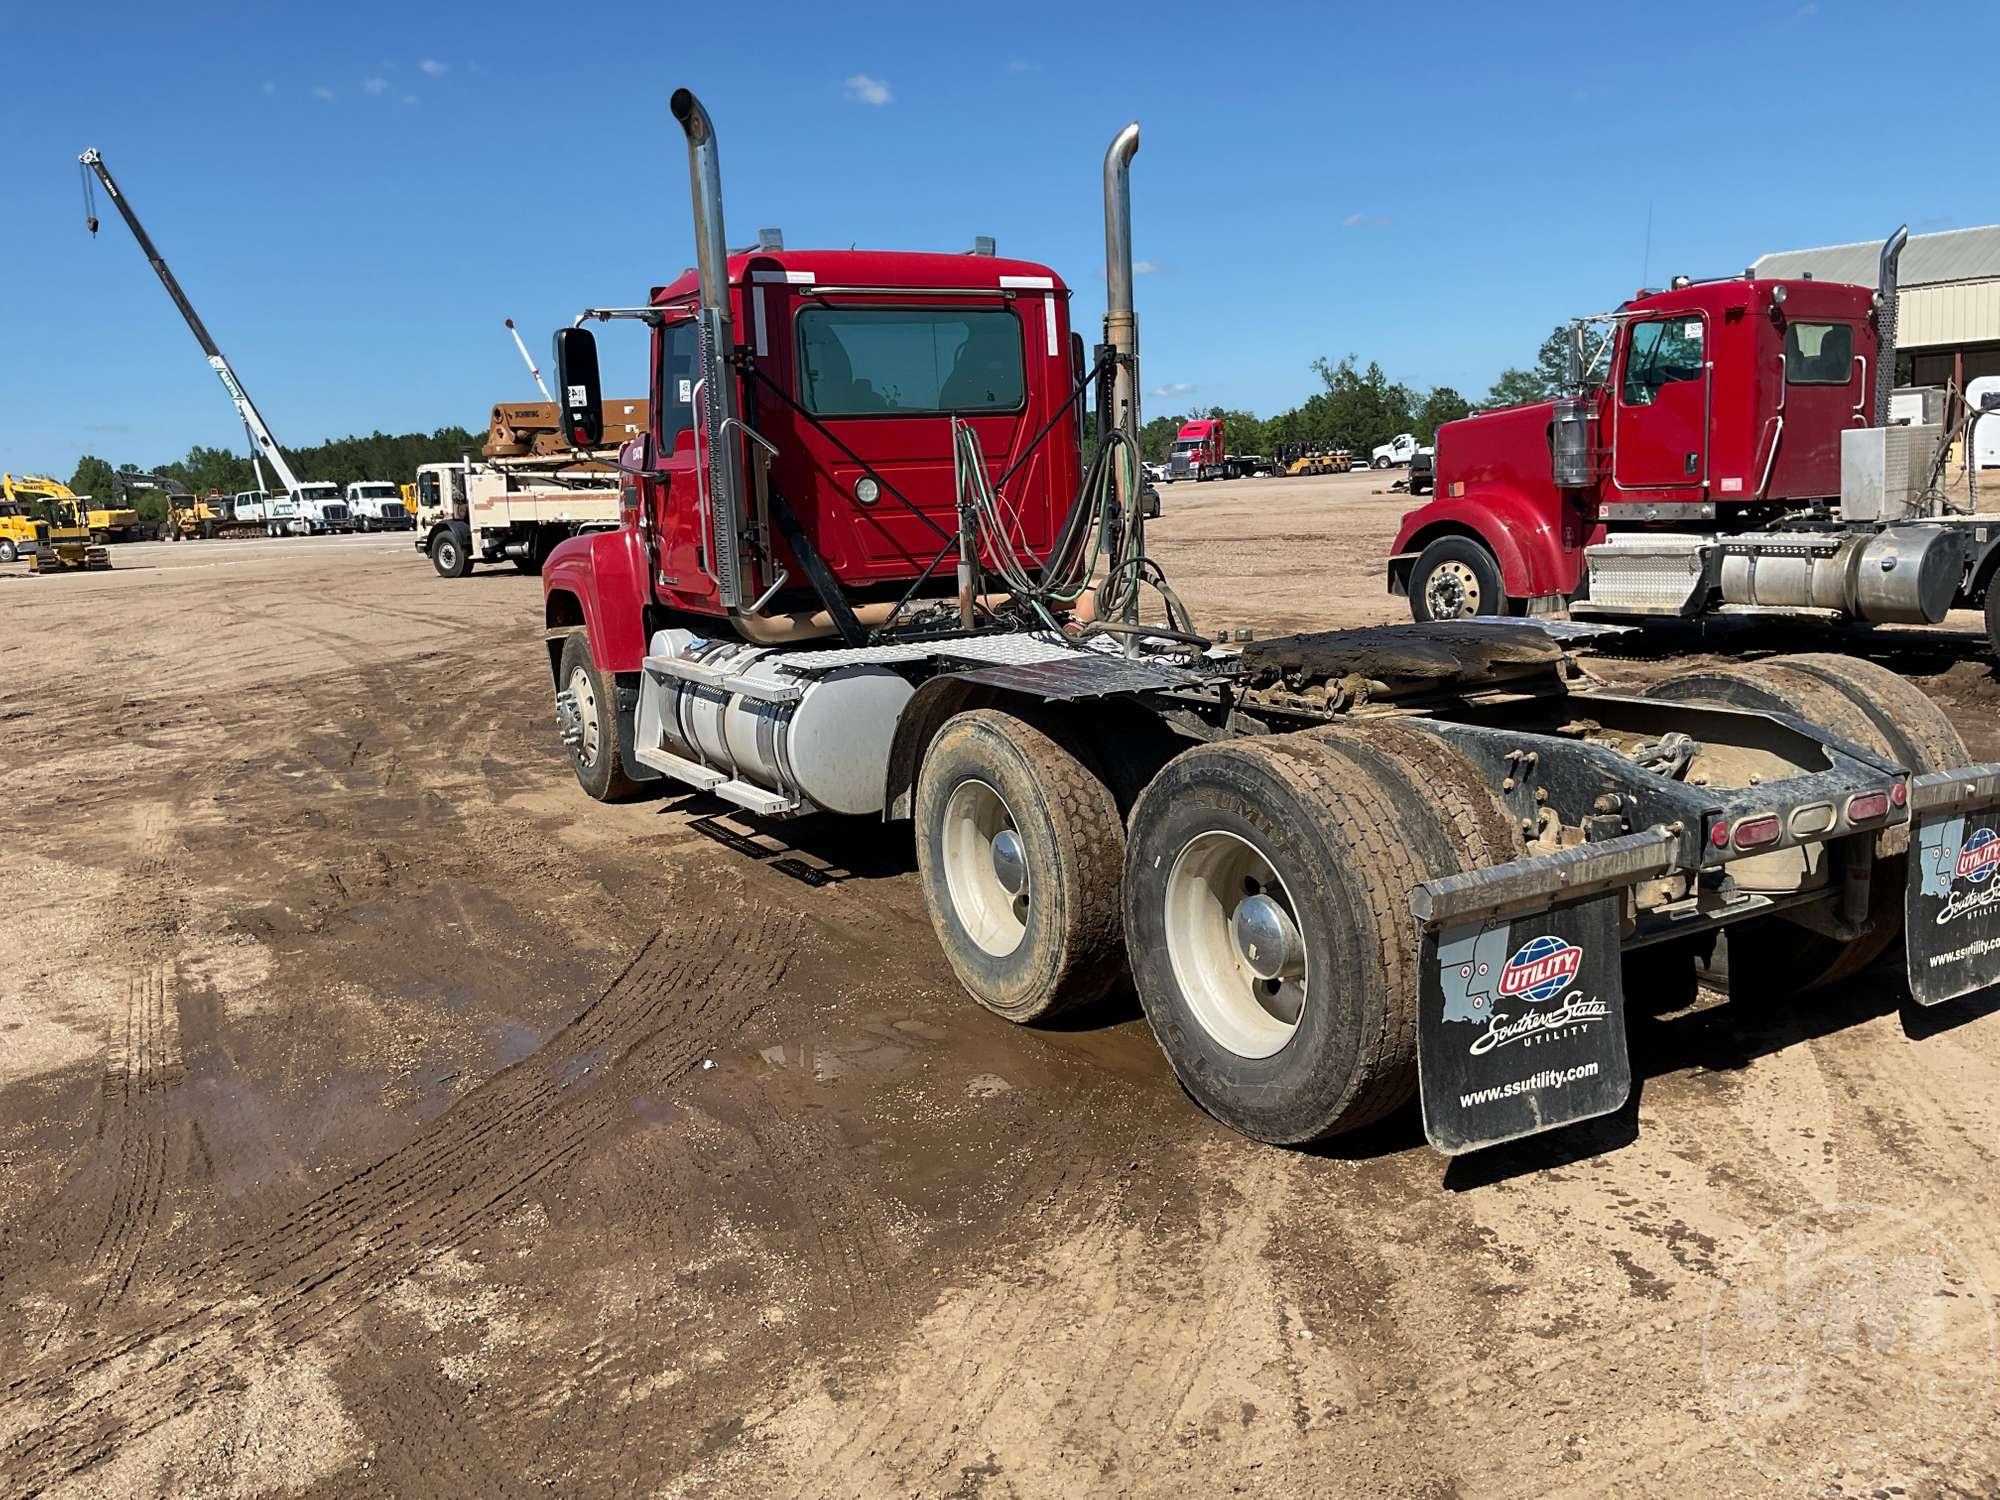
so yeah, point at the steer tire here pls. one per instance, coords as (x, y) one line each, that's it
(599, 762)
(1057, 944)
(1344, 847)
(1993, 614)
(1486, 594)
(8, 551)
(450, 555)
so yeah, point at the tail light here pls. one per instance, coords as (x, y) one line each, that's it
(1758, 831)
(1899, 794)
(1866, 807)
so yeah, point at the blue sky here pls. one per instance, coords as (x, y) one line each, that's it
(355, 196)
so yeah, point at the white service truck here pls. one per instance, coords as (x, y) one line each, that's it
(509, 510)
(1399, 450)
(377, 505)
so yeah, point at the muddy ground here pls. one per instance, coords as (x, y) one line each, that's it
(378, 1115)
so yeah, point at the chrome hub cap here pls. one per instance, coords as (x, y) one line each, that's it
(1452, 592)
(1235, 944)
(985, 868)
(582, 695)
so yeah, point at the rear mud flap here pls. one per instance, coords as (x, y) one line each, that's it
(1951, 910)
(1521, 1024)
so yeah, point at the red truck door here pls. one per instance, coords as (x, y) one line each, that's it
(1827, 389)
(1660, 437)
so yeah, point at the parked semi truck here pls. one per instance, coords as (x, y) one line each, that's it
(1725, 448)
(1340, 869)
(377, 505)
(1200, 452)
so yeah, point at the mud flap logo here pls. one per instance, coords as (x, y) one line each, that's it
(1521, 1025)
(1952, 907)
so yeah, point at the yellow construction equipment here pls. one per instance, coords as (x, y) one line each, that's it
(63, 541)
(19, 531)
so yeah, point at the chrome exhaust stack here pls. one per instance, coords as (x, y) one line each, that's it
(1885, 321)
(720, 423)
(1121, 323)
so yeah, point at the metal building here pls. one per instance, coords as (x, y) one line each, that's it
(1948, 316)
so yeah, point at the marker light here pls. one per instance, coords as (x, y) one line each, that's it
(1755, 833)
(1899, 794)
(866, 490)
(1867, 807)
(1719, 835)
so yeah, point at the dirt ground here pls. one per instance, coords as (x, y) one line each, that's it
(380, 1116)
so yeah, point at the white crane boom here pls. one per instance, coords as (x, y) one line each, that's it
(261, 441)
(540, 384)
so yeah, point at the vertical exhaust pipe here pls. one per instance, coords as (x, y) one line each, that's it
(717, 339)
(1121, 332)
(1121, 323)
(1885, 321)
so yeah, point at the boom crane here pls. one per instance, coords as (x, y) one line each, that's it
(261, 441)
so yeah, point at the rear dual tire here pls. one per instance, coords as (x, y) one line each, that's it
(1267, 884)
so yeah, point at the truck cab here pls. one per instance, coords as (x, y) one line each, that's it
(1394, 453)
(377, 505)
(321, 510)
(1199, 451)
(858, 366)
(1712, 405)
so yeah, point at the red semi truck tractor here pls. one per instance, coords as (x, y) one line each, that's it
(1200, 452)
(861, 568)
(1724, 448)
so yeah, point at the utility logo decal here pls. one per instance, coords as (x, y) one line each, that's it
(1980, 857)
(1540, 969)
(1956, 867)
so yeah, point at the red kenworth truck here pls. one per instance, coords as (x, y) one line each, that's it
(1725, 447)
(1201, 452)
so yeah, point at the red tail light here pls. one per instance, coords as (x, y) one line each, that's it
(1900, 793)
(1755, 833)
(1868, 806)
(1719, 835)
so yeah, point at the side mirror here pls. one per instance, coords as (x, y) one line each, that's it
(635, 456)
(580, 390)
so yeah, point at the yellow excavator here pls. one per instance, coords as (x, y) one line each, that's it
(63, 542)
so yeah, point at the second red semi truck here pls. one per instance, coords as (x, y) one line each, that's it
(1725, 447)
(864, 565)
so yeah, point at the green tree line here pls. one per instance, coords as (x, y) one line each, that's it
(379, 455)
(1359, 409)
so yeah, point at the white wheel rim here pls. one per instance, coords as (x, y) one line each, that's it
(985, 869)
(585, 693)
(1452, 591)
(1214, 877)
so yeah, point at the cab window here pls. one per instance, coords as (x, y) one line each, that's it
(1819, 353)
(864, 361)
(1660, 354)
(679, 350)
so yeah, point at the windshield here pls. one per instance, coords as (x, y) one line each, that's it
(868, 361)
(1188, 445)
(318, 492)
(377, 492)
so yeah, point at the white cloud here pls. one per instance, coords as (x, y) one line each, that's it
(1808, 9)
(433, 67)
(1366, 221)
(269, 88)
(1021, 65)
(322, 93)
(1145, 267)
(1174, 390)
(409, 98)
(865, 90)
(375, 85)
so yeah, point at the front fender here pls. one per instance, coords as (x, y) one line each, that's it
(598, 580)
(1523, 536)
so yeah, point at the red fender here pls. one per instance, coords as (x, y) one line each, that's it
(1523, 534)
(601, 576)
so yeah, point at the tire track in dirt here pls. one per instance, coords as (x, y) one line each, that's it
(295, 1280)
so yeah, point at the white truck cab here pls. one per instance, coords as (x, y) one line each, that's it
(320, 509)
(377, 505)
(1398, 450)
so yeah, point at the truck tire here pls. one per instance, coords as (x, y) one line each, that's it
(1993, 615)
(1771, 957)
(596, 752)
(1456, 578)
(1382, 463)
(8, 551)
(450, 555)
(1019, 850)
(1266, 912)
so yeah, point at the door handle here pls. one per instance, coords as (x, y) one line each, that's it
(1693, 463)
